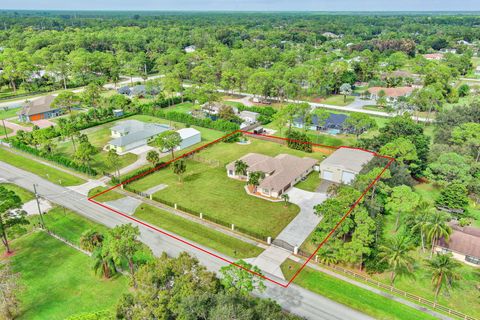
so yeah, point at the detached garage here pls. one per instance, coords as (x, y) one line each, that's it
(344, 164)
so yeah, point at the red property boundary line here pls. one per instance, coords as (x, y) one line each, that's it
(390, 161)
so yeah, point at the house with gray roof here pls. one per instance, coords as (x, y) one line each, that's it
(344, 164)
(38, 109)
(281, 172)
(131, 134)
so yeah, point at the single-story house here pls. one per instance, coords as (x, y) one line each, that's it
(281, 172)
(463, 243)
(131, 134)
(124, 90)
(213, 108)
(138, 91)
(344, 164)
(40, 108)
(189, 137)
(392, 94)
(434, 56)
(334, 121)
(249, 116)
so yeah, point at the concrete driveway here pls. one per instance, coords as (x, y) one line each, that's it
(126, 205)
(306, 221)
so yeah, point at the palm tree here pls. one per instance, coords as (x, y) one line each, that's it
(179, 168)
(421, 218)
(396, 254)
(286, 199)
(104, 262)
(436, 228)
(443, 269)
(254, 179)
(241, 168)
(90, 240)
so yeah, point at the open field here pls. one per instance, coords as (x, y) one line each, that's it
(207, 188)
(59, 281)
(350, 295)
(196, 232)
(4, 131)
(107, 196)
(338, 100)
(44, 171)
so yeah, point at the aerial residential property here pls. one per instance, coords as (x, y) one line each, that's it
(38, 109)
(234, 159)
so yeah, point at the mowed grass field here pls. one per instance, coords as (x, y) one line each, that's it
(350, 295)
(201, 234)
(44, 171)
(207, 189)
(59, 281)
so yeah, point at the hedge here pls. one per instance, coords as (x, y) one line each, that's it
(64, 161)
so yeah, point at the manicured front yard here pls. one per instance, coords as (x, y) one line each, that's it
(196, 232)
(208, 190)
(9, 113)
(44, 171)
(338, 100)
(348, 294)
(59, 281)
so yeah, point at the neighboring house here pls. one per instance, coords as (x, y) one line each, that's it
(392, 94)
(334, 121)
(434, 56)
(344, 164)
(190, 49)
(40, 108)
(249, 117)
(118, 112)
(281, 172)
(331, 35)
(464, 244)
(449, 50)
(124, 90)
(189, 137)
(213, 108)
(463, 42)
(138, 91)
(131, 134)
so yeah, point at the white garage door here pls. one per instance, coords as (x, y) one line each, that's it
(327, 175)
(347, 177)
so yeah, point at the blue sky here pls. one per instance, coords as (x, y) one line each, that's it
(248, 5)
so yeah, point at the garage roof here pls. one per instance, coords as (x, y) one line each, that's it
(348, 159)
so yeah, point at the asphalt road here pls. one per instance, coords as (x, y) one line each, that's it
(294, 299)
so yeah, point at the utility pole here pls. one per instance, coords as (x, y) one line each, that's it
(5, 128)
(38, 206)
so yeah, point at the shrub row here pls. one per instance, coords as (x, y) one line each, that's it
(299, 141)
(66, 162)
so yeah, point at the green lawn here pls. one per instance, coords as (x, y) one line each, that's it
(5, 130)
(338, 100)
(9, 113)
(24, 195)
(348, 294)
(59, 280)
(69, 225)
(107, 196)
(311, 183)
(207, 189)
(182, 107)
(196, 232)
(44, 171)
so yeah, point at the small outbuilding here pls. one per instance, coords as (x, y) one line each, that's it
(189, 137)
(344, 164)
(249, 117)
